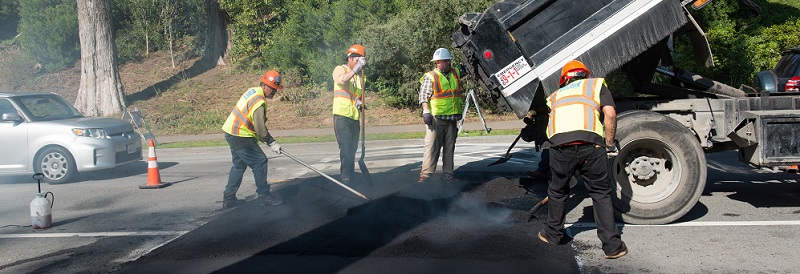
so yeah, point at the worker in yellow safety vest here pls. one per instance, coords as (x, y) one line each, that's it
(581, 129)
(348, 87)
(442, 104)
(244, 128)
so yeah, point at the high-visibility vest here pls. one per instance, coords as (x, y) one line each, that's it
(240, 121)
(576, 106)
(344, 96)
(446, 97)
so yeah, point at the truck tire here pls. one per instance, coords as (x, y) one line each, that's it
(660, 171)
(56, 163)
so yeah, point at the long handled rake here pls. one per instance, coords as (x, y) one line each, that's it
(361, 164)
(324, 175)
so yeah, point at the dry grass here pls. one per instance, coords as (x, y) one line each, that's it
(200, 104)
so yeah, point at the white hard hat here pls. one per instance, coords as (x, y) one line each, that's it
(441, 54)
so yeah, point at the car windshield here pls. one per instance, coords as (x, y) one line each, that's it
(47, 107)
(787, 66)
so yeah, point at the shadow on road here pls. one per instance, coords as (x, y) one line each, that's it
(325, 229)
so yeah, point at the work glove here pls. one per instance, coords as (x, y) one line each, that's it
(528, 121)
(275, 147)
(612, 151)
(360, 64)
(427, 117)
(359, 105)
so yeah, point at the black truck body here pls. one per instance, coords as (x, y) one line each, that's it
(516, 49)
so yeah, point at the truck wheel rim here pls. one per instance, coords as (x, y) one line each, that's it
(646, 171)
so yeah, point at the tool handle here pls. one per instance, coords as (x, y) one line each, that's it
(323, 174)
(532, 212)
(514, 143)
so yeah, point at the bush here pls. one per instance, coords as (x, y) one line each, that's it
(9, 19)
(16, 69)
(405, 44)
(742, 43)
(139, 26)
(49, 32)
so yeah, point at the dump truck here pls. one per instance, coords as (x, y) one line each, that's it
(515, 50)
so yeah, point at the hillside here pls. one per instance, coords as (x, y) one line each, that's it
(200, 104)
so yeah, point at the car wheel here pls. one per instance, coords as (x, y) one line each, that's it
(57, 165)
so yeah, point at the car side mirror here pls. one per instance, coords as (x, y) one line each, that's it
(14, 117)
(766, 81)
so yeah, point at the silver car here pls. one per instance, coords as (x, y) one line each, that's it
(43, 133)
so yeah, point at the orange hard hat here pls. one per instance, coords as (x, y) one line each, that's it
(572, 69)
(356, 49)
(272, 79)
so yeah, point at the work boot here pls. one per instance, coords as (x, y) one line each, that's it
(423, 179)
(449, 178)
(231, 203)
(541, 236)
(269, 199)
(619, 253)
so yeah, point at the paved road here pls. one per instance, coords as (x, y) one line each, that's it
(747, 220)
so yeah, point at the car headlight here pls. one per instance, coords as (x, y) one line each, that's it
(91, 132)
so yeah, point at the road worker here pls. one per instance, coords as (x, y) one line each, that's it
(348, 85)
(581, 128)
(442, 104)
(244, 128)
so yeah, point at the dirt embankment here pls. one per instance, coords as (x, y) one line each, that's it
(182, 102)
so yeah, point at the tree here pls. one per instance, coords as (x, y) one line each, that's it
(100, 92)
(217, 43)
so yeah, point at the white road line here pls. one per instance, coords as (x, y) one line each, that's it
(94, 234)
(700, 224)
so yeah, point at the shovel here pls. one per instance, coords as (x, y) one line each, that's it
(508, 153)
(324, 175)
(361, 164)
(532, 212)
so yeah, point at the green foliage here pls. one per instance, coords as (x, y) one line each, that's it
(141, 26)
(406, 44)
(252, 26)
(311, 36)
(9, 18)
(742, 43)
(49, 32)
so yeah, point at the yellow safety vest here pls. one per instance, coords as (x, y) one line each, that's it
(240, 121)
(446, 97)
(576, 107)
(344, 96)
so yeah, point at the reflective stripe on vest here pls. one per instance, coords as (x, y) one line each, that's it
(240, 121)
(576, 107)
(344, 96)
(446, 97)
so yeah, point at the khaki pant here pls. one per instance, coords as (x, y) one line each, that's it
(440, 137)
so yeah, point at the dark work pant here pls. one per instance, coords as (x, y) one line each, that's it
(245, 153)
(591, 161)
(346, 131)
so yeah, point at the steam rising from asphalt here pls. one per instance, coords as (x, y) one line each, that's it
(472, 207)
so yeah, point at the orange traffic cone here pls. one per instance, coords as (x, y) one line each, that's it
(153, 176)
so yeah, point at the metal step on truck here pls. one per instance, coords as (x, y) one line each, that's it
(515, 49)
